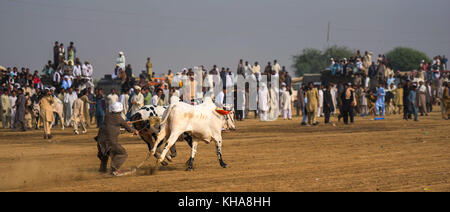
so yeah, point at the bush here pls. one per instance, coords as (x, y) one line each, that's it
(314, 61)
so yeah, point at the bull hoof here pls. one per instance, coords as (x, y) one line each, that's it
(164, 163)
(190, 169)
(224, 165)
(173, 155)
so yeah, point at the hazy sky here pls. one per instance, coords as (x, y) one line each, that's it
(187, 33)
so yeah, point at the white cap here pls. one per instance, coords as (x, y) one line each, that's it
(116, 107)
(121, 52)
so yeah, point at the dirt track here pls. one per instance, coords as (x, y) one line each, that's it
(388, 155)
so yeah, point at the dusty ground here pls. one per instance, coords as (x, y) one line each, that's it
(389, 155)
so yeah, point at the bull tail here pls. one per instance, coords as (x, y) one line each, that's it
(166, 114)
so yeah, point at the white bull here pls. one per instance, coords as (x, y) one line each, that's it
(202, 121)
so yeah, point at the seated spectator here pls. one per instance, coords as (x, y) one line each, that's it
(87, 70)
(48, 69)
(77, 69)
(67, 83)
(56, 78)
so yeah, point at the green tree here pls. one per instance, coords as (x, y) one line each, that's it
(313, 60)
(406, 59)
(339, 52)
(309, 61)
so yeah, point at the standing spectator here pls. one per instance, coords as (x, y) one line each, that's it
(412, 106)
(248, 69)
(56, 55)
(62, 53)
(429, 97)
(256, 69)
(73, 49)
(69, 99)
(86, 106)
(422, 98)
(223, 77)
(169, 77)
(147, 96)
(100, 108)
(12, 102)
(276, 67)
(363, 102)
(312, 96)
(372, 81)
(129, 74)
(36, 80)
(70, 54)
(264, 101)
(240, 68)
(121, 61)
(5, 110)
(46, 113)
(398, 98)
(320, 105)
(446, 101)
(111, 98)
(124, 98)
(286, 102)
(300, 100)
(241, 102)
(287, 79)
(137, 100)
(444, 62)
(406, 89)
(149, 67)
(348, 99)
(20, 110)
(220, 98)
(327, 104)
(78, 114)
(381, 93)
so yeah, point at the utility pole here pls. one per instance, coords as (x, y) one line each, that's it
(328, 34)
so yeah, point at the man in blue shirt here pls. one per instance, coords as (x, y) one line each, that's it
(381, 93)
(100, 107)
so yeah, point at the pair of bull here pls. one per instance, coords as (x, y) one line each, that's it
(181, 121)
(36, 111)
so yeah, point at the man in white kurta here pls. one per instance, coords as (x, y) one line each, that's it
(87, 70)
(137, 100)
(121, 61)
(320, 108)
(69, 99)
(333, 97)
(124, 100)
(276, 67)
(220, 98)
(12, 102)
(76, 70)
(264, 101)
(112, 98)
(286, 103)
